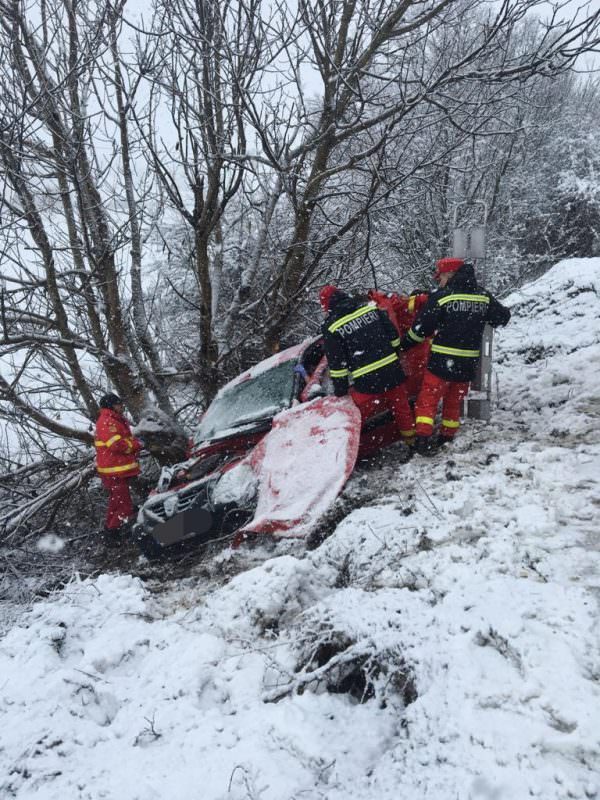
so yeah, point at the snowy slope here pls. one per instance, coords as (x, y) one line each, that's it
(467, 592)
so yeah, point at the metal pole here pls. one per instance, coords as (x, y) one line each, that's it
(471, 243)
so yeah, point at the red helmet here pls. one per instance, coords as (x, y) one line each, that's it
(447, 265)
(325, 296)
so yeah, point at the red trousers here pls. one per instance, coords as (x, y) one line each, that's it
(413, 363)
(432, 391)
(395, 399)
(120, 505)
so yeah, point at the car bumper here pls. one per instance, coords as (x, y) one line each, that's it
(195, 523)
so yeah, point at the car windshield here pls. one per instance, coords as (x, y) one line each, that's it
(252, 400)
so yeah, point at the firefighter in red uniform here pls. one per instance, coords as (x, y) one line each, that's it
(403, 311)
(116, 463)
(361, 343)
(455, 316)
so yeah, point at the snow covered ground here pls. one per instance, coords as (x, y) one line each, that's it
(442, 644)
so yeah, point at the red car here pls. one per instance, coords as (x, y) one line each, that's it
(270, 454)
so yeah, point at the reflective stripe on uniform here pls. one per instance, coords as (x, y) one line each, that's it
(424, 420)
(474, 298)
(374, 365)
(415, 336)
(395, 342)
(112, 440)
(123, 468)
(411, 303)
(454, 351)
(339, 373)
(450, 423)
(360, 312)
(407, 434)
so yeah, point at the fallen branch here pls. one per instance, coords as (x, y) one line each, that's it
(55, 491)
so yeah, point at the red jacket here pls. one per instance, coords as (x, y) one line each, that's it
(403, 310)
(116, 446)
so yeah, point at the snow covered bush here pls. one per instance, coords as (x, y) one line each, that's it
(336, 656)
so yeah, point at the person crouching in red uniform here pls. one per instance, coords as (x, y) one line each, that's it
(361, 344)
(455, 315)
(116, 464)
(403, 310)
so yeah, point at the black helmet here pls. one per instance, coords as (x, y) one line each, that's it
(110, 401)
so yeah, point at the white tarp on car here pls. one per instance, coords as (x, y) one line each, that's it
(302, 465)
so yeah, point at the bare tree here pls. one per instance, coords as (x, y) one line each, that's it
(203, 58)
(74, 321)
(304, 175)
(386, 67)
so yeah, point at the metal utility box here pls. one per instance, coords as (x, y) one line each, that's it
(469, 242)
(478, 404)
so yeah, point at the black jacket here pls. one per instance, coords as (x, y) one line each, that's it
(361, 343)
(455, 316)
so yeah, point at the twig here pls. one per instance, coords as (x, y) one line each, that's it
(433, 506)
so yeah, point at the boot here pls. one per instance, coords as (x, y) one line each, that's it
(404, 452)
(126, 527)
(112, 537)
(442, 441)
(425, 446)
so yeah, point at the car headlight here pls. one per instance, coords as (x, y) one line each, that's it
(164, 479)
(171, 505)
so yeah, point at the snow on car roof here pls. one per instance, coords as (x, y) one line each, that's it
(289, 354)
